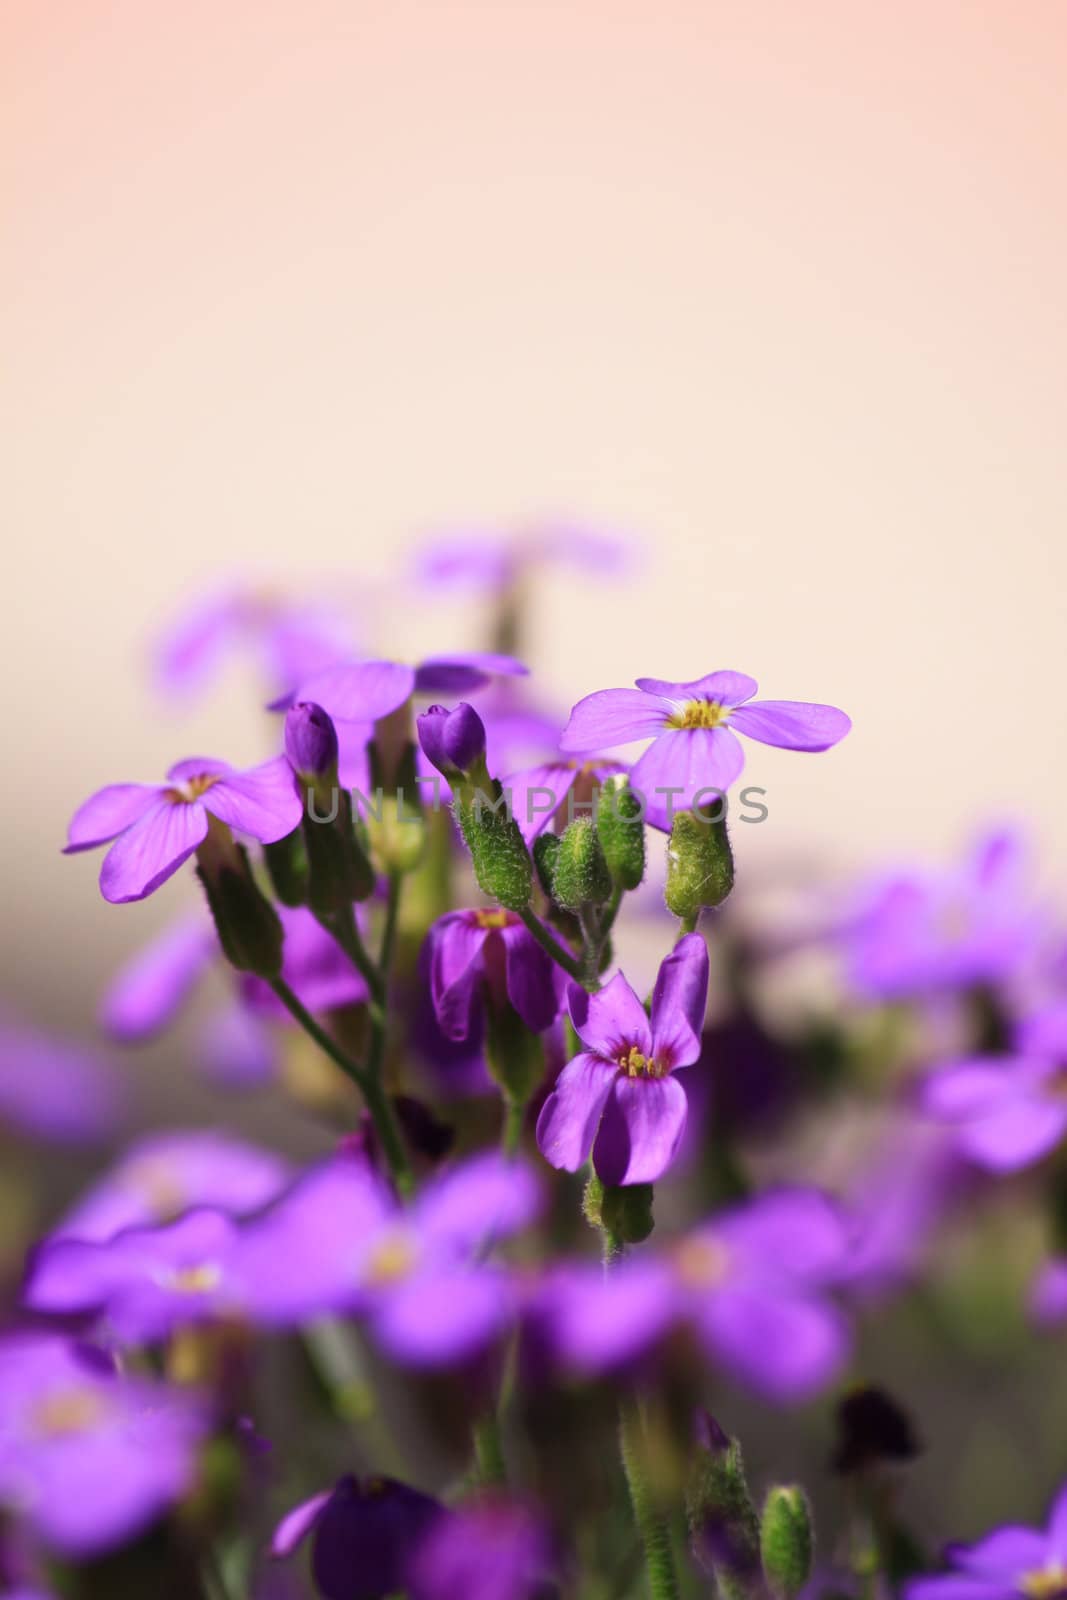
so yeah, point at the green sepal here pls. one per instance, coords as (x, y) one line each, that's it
(786, 1540)
(287, 867)
(580, 874)
(622, 1210)
(545, 855)
(339, 869)
(700, 863)
(498, 851)
(621, 827)
(248, 927)
(514, 1055)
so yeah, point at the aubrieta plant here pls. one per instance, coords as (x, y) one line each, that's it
(566, 1229)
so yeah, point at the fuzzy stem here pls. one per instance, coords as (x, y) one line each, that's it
(514, 1122)
(551, 946)
(651, 1526)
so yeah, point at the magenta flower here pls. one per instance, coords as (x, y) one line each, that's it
(619, 1097)
(155, 827)
(340, 1241)
(364, 1536)
(754, 1284)
(165, 1174)
(488, 954)
(1010, 1563)
(55, 1089)
(695, 752)
(88, 1458)
(555, 792)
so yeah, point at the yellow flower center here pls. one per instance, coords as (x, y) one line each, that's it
(698, 714)
(183, 794)
(489, 918)
(1045, 1583)
(392, 1259)
(199, 1279)
(637, 1065)
(701, 1263)
(156, 1180)
(69, 1411)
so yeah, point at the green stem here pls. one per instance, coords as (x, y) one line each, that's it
(392, 908)
(365, 1079)
(687, 924)
(514, 1122)
(651, 1525)
(344, 931)
(551, 946)
(489, 1451)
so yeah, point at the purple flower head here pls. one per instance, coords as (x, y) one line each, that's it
(492, 1550)
(54, 1089)
(619, 1097)
(695, 753)
(366, 691)
(487, 560)
(144, 1282)
(89, 1458)
(1005, 1112)
(339, 1241)
(1010, 1563)
(555, 792)
(452, 741)
(155, 827)
(149, 990)
(487, 954)
(364, 1534)
(753, 1284)
(290, 638)
(913, 933)
(166, 1174)
(310, 740)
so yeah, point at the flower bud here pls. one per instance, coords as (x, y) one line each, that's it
(452, 741)
(700, 863)
(310, 742)
(499, 856)
(620, 825)
(580, 876)
(622, 1210)
(786, 1540)
(724, 1529)
(546, 854)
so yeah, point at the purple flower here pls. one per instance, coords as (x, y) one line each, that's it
(488, 954)
(89, 1458)
(166, 1174)
(366, 691)
(54, 1089)
(753, 1284)
(1005, 1112)
(491, 1550)
(915, 933)
(487, 560)
(145, 1282)
(895, 1204)
(452, 741)
(618, 1098)
(291, 638)
(555, 790)
(695, 752)
(1013, 1561)
(364, 1534)
(339, 1241)
(155, 827)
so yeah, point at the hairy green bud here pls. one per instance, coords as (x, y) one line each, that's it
(580, 876)
(724, 1528)
(621, 828)
(546, 854)
(786, 1540)
(700, 863)
(498, 851)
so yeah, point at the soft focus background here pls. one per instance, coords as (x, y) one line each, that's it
(776, 288)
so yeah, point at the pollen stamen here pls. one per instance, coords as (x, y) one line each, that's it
(699, 714)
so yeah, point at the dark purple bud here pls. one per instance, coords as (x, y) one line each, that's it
(366, 1537)
(310, 740)
(454, 741)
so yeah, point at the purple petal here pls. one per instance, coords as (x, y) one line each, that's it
(295, 1526)
(238, 1050)
(798, 1233)
(197, 767)
(530, 975)
(612, 1021)
(464, 671)
(442, 1315)
(54, 1089)
(614, 716)
(150, 852)
(455, 948)
(679, 1001)
(1015, 1135)
(569, 1117)
(724, 688)
(597, 1321)
(262, 802)
(1048, 1294)
(951, 1586)
(792, 724)
(640, 1131)
(149, 990)
(976, 1088)
(190, 648)
(682, 766)
(107, 813)
(538, 793)
(1057, 1528)
(486, 1199)
(360, 691)
(786, 1346)
(1044, 1033)
(1002, 1555)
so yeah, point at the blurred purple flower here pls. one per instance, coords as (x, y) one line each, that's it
(89, 1458)
(914, 933)
(340, 1241)
(166, 1174)
(1013, 1561)
(1048, 1294)
(1005, 1112)
(619, 1098)
(695, 752)
(754, 1284)
(365, 691)
(155, 827)
(290, 638)
(147, 992)
(365, 1534)
(894, 1205)
(555, 789)
(488, 954)
(488, 560)
(56, 1089)
(491, 1550)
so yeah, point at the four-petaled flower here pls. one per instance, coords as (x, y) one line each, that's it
(619, 1097)
(695, 753)
(485, 953)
